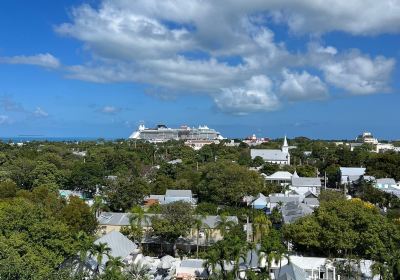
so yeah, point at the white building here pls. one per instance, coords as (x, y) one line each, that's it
(350, 175)
(302, 185)
(281, 156)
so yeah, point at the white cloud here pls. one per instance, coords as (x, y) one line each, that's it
(40, 113)
(302, 86)
(256, 95)
(359, 74)
(361, 17)
(156, 42)
(44, 60)
(110, 110)
(203, 46)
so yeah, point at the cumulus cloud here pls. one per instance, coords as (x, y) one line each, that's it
(302, 86)
(40, 113)
(224, 49)
(44, 60)
(359, 74)
(256, 95)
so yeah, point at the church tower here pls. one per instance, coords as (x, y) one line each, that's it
(285, 147)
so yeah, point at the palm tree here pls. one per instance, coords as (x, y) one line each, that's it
(199, 225)
(85, 242)
(138, 216)
(138, 219)
(98, 205)
(211, 262)
(137, 272)
(114, 263)
(224, 225)
(98, 251)
(261, 226)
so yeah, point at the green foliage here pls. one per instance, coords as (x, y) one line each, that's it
(339, 228)
(206, 208)
(78, 215)
(125, 192)
(176, 220)
(8, 189)
(33, 242)
(227, 183)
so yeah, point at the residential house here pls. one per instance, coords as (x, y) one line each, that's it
(313, 268)
(351, 175)
(384, 183)
(311, 199)
(302, 185)
(171, 196)
(281, 156)
(293, 210)
(280, 177)
(279, 199)
(260, 202)
(120, 246)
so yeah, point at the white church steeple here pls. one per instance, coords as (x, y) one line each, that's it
(285, 147)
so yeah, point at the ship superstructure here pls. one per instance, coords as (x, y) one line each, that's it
(162, 133)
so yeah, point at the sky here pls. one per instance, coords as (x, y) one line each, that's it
(321, 69)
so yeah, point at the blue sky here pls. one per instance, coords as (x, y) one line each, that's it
(98, 68)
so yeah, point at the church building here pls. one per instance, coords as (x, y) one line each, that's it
(281, 156)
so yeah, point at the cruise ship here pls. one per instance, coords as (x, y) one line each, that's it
(162, 133)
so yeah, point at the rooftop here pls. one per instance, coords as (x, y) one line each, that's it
(178, 193)
(352, 171)
(306, 182)
(269, 154)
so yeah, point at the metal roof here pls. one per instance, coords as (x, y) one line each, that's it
(280, 175)
(386, 181)
(120, 245)
(291, 272)
(352, 171)
(269, 154)
(306, 182)
(178, 193)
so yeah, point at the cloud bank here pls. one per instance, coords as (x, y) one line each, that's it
(226, 49)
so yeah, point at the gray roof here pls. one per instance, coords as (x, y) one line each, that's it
(112, 218)
(290, 272)
(292, 211)
(392, 191)
(306, 182)
(120, 245)
(178, 193)
(280, 175)
(284, 199)
(352, 171)
(311, 201)
(386, 181)
(269, 154)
